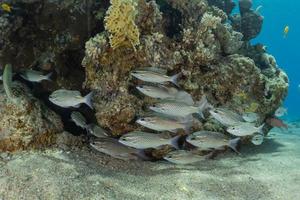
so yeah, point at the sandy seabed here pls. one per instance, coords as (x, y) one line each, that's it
(270, 171)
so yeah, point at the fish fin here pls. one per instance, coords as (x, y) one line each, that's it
(174, 141)
(175, 78)
(202, 106)
(140, 153)
(260, 128)
(188, 123)
(185, 97)
(233, 144)
(88, 128)
(174, 131)
(88, 100)
(77, 106)
(24, 77)
(201, 115)
(210, 155)
(48, 76)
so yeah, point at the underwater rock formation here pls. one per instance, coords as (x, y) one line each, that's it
(47, 35)
(206, 51)
(110, 39)
(249, 22)
(27, 124)
(226, 5)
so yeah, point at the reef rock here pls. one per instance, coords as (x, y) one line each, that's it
(28, 124)
(207, 50)
(248, 22)
(226, 5)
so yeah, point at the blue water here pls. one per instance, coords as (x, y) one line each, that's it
(277, 14)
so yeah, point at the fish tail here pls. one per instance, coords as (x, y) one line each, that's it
(174, 141)
(261, 128)
(88, 100)
(203, 105)
(7, 82)
(88, 127)
(174, 79)
(233, 144)
(185, 97)
(48, 76)
(141, 155)
(188, 123)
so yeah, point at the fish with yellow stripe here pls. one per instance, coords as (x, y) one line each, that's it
(286, 31)
(6, 7)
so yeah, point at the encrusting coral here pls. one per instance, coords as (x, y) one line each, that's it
(208, 52)
(199, 38)
(29, 124)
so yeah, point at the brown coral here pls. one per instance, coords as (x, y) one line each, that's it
(28, 124)
(206, 51)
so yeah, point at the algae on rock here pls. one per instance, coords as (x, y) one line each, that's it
(208, 51)
(29, 124)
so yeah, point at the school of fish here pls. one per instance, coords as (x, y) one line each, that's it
(174, 110)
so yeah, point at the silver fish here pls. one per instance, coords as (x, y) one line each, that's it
(153, 69)
(96, 131)
(257, 139)
(162, 124)
(211, 140)
(35, 76)
(70, 98)
(79, 119)
(144, 140)
(160, 92)
(1, 78)
(225, 117)
(115, 149)
(280, 112)
(7, 83)
(250, 117)
(179, 109)
(154, 77)
(244, 129)
(183, 157)
(168, 93)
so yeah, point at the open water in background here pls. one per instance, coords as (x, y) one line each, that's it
(278, 14)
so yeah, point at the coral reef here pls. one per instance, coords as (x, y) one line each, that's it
(48, 35)
(226, 5)
(209, 52)
(249, 22)
(28, 124)
(120, 23)
(96, 44)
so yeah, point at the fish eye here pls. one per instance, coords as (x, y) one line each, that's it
(141, 86)
(142, 119)
(193, 138)
(154, 106)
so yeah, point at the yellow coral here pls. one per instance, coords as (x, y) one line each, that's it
(242, 95)
(252, 107)
(248, 104)
(120, 23)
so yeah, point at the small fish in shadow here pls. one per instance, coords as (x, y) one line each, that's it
(275, 122)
